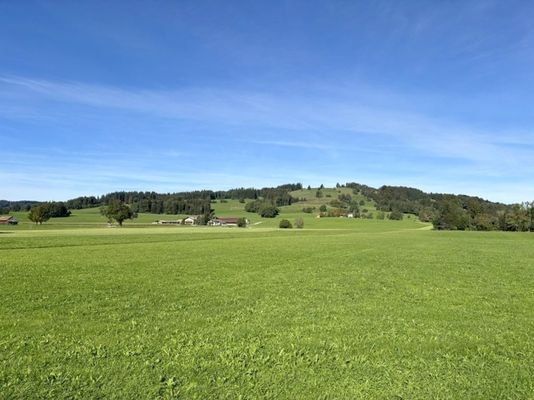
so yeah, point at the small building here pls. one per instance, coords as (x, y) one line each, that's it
(225, 221)
(169, 222)
(191, 220)
(8, 220)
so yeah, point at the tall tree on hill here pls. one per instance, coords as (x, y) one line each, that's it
(117, 210)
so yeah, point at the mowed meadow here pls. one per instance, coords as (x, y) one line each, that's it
(342, 309)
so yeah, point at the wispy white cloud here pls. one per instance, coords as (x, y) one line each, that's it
(318, 112)
(313, 118)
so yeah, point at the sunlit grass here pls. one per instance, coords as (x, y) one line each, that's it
(376, 311)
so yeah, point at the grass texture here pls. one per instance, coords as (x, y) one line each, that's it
(360, 310)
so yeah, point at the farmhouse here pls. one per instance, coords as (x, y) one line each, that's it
(191, 220)
(8, 220)
(225, 221)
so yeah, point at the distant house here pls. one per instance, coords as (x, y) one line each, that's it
(225, 221)
(169, 222)
(8, 220)
(191, 220)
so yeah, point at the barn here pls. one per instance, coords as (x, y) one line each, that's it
(225, 221)
(8, 220)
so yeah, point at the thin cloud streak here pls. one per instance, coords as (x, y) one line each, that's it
(281, 111)
(312, 118)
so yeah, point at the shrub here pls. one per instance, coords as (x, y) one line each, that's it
(299, 223)
(242, 222)
(395, 215)
(269, 212)
(265, 209)
(336, 203)
(345, 198)
(285, 224)
(337, 212)
(253, 206)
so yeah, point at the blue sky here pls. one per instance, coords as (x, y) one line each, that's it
(180, 95)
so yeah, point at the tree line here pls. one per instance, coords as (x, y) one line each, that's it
(150, 202)
(193, 202)
(7, 206)
(448, 211)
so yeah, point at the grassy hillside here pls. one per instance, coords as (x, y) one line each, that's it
(308, 198)
(376, 310)
(233, 208)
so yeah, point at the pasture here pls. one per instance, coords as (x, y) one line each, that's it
(343, 309)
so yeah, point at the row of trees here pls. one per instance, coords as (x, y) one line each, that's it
(194, 202)
(7, 206)
(150, 202)
(280, 191)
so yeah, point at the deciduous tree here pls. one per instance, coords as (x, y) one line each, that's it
(39, 214)
(118, 211)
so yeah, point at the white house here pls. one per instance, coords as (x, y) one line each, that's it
(191, 220)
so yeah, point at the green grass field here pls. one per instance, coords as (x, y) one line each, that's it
(86, 218)
(342, 309)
